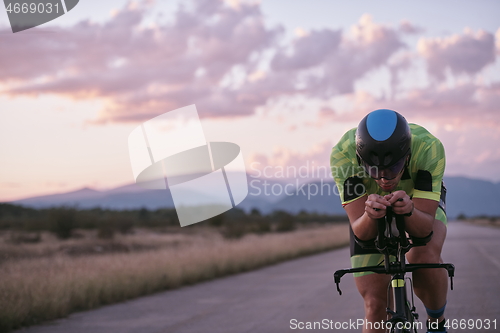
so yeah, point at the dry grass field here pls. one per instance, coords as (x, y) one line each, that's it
(491, 221)
(52, 278)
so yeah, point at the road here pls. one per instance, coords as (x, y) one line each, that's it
(267, 300)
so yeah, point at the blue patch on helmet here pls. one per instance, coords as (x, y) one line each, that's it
(381, 124)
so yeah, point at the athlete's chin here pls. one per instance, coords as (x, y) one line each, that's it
(387, 188)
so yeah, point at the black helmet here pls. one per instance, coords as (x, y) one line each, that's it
(383, 140)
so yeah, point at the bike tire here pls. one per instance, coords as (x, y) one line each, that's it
(408, 326)
(410, 319)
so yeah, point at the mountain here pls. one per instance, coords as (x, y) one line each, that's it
(319, 197)
(472, 197)
(60, 199)
(129, 197)
(133, 196)
(467, 196)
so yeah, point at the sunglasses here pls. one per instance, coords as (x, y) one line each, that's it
(387, 173)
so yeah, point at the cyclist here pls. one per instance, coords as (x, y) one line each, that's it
(387, 162)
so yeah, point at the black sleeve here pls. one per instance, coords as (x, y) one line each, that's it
(423, 181)
(353, 188)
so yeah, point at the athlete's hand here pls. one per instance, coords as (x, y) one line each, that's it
(375, 206)
(400, 202)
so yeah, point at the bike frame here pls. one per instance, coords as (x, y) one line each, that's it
(390, 244)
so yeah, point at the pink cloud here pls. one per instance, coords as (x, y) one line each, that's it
(340, 59)
(471, 149)
(214, 55)
(399, 64)
(314, 162)
(409, 28)
(497, 37)
(308, 51)
(467, 54)
(462, 105)
(142, 71)
(466, 103)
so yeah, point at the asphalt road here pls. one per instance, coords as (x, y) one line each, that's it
(269, 299)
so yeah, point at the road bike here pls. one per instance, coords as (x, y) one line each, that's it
(393, 242)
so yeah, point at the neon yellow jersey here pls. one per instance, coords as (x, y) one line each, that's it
(421, 179)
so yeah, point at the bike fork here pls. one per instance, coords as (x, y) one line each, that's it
(399, 297)
(411, 306)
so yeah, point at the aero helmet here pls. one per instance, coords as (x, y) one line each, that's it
(383, 141)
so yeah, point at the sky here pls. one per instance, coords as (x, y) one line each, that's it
(283, 79)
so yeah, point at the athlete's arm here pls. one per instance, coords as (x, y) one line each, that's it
(421, 221)
(363, 215)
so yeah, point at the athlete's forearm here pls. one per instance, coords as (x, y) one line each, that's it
(419, 224)
(365, 228)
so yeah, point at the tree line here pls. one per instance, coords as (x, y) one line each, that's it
(235, 223)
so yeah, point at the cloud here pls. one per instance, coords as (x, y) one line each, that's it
(397, 65)
(409, 28)
(308, 50)
(497, 37)
(284, 162)
(467, 53)
(471, 150)
(212, 54)
(467, 103)
(142, 71)
(331, 61)
(225, 59)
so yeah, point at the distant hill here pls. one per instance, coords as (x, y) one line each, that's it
(472, 197)
(319, 196)
(467, 196)
(133, 196)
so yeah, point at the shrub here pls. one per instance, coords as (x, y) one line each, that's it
(24, 237)
(217, 220)
(63, 221)
(286, 222)
(106, 231)
(255, 212)
(233, 230)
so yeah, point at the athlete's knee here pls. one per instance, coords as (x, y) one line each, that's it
(422, 256)
(375, 307)
(375, 301)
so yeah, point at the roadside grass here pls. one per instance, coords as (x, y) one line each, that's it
(51, 279)
(484, 221)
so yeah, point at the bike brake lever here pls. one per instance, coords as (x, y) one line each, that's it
(336, 279)
(451, 274)
(338, 288)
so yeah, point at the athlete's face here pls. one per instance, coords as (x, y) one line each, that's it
(389, 185)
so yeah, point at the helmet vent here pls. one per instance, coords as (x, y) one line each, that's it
(375, 159)
(387, 159)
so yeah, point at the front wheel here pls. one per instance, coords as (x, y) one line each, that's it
(403, 319)
(410, 324)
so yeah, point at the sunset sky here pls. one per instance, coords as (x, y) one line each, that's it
(284, 79)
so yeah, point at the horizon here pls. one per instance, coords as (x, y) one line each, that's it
(279, 179)
(284, 85)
